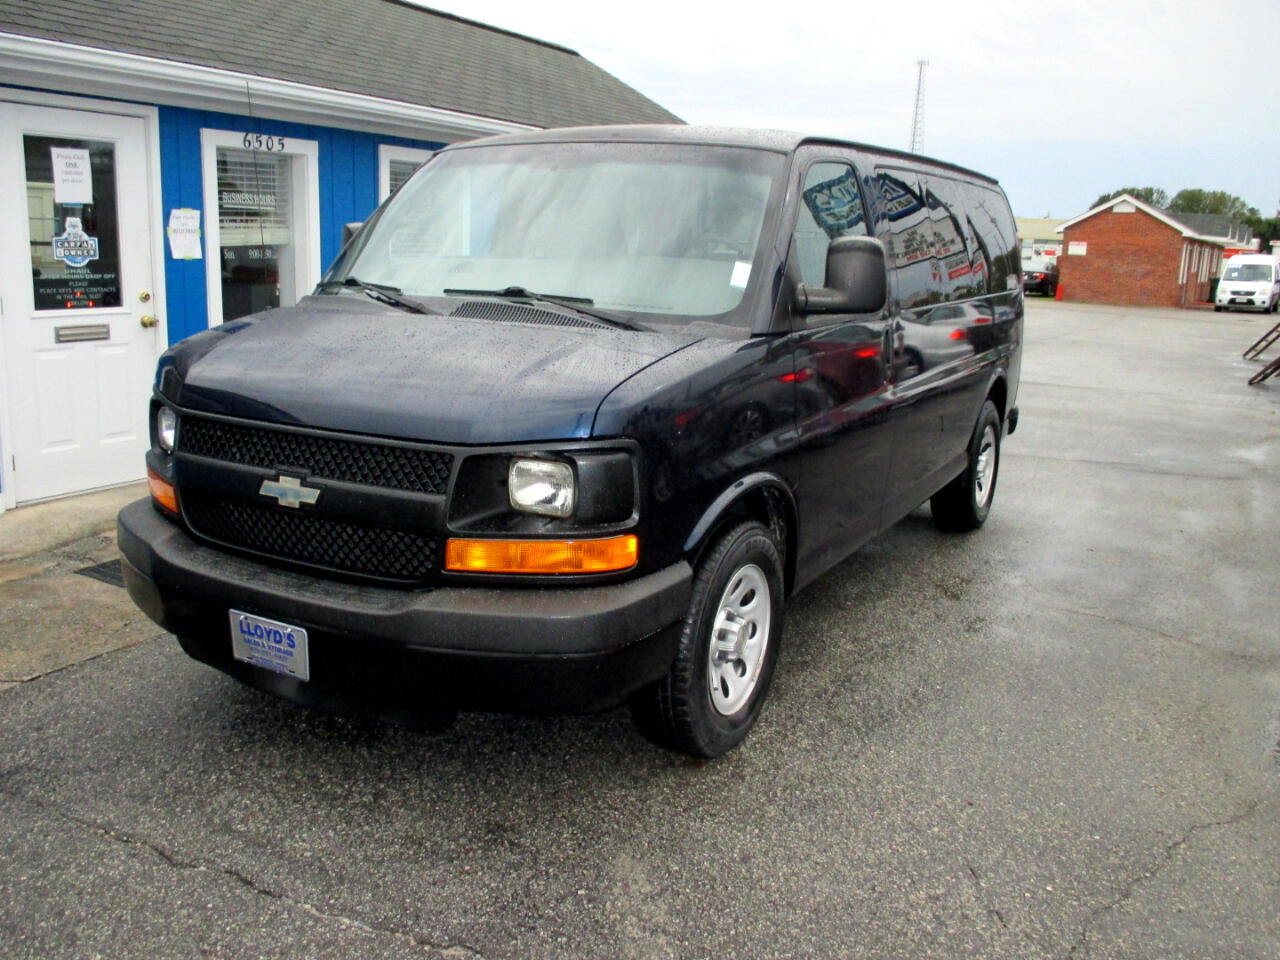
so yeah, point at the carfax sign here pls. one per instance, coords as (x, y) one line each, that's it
(73, 246)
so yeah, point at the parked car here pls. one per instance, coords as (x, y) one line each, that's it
(572, 416)
(1040, 276)
(1250, 281)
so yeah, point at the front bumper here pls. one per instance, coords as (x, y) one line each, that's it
(393, 653)
(1244, 303)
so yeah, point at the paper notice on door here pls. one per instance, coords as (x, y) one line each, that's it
(72, 182)
(184, 234)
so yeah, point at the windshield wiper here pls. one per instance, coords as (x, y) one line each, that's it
(576, 304)
(382, 292)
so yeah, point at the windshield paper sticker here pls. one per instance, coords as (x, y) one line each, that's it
(741, 274)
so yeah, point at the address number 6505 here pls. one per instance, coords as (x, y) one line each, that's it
(256, 141)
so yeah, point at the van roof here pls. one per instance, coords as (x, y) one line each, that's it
(778, 141)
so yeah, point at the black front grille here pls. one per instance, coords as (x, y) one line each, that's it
(334, 458)
(302, 538)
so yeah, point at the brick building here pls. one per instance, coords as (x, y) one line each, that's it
(1129, 252)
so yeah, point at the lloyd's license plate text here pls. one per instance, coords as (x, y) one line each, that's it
(270, 644)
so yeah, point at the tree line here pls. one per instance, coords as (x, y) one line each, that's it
(1203, 201)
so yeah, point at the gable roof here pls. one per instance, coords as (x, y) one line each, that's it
(1217, 225)
(1210, 228)
(391, 50)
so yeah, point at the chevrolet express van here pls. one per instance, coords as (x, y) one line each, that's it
(1250, 281)
(571, 418)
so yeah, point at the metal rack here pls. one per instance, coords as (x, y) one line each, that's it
(1257, 349)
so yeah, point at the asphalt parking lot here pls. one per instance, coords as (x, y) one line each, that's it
(1054, 738)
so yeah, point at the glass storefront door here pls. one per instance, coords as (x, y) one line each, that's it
(262, 206)
(80, 317)
(255, 219)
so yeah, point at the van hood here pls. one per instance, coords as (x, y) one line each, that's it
(338, 363)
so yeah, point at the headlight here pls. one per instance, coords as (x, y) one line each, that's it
(166, 428)
(541, 486)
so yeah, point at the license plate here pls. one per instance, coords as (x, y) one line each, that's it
(270, 644)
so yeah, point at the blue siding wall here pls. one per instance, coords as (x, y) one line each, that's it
(348, 162)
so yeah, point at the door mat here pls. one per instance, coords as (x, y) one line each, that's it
(108, 572)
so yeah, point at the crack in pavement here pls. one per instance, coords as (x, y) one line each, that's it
(1130, 467)
(1266, 660)
(982, 899)
(450, 951)
(89, 659)
(1165, 861)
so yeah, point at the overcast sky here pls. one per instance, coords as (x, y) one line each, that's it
(1059, 101)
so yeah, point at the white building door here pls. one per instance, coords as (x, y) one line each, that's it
(78, 327)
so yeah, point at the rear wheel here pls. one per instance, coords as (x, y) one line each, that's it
(710, 698)
(963, 504)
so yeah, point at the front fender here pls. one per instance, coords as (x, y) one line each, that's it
(765, 495)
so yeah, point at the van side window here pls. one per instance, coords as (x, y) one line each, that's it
(909, 239)
(830, 207)
(988, 211)
(952, 239)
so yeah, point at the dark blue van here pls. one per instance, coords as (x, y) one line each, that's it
(572, 415)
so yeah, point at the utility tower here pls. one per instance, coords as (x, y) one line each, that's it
(917, 118)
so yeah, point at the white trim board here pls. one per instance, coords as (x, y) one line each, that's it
(386, 154)
(31, 61)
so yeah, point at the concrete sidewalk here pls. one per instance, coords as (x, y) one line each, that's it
(58, 602)
(46, 526)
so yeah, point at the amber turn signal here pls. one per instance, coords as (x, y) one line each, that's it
(542, 556)
(162, 491)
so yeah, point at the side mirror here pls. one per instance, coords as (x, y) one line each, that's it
(349, 230)
(855, 281)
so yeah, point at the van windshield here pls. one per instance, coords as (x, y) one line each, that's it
(665, 231)
(1254, 272)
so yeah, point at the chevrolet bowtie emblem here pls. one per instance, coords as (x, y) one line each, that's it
(289, 491)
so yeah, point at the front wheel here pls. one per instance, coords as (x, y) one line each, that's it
(963, 504)
(713, 693)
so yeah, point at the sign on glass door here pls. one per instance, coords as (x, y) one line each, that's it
(72, 214)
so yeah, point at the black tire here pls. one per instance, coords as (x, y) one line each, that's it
(963, 504)
(1216, 308)
(740, 573)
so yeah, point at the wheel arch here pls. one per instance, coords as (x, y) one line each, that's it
(998, 392)
(764, 497)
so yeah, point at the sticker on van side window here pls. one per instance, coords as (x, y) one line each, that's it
(835, 204)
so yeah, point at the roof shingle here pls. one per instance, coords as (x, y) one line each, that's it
(389, 49)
